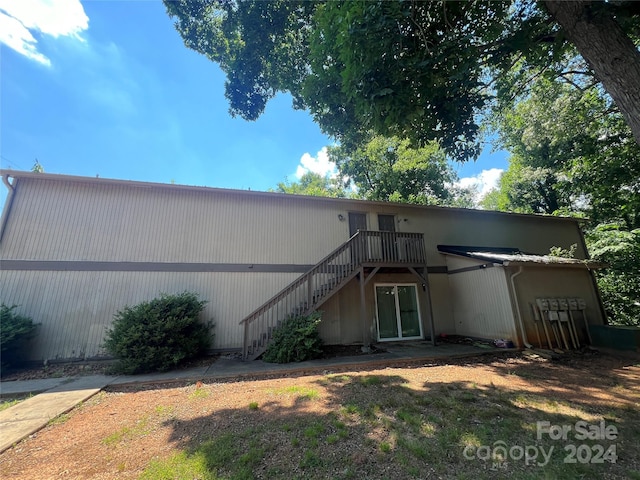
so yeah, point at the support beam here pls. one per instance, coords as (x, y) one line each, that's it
(366, 340)
(430, 306)
(373, 272)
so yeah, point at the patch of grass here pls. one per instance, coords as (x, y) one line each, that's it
(219, 458)
(140, 428)
(59, 420)
(4, 404)
(314, 430)
(351, 409)
(410, 417)
(371, 380)
(254, 406)
(311, 461)
(467, 397)
(10, 402)
(179, 465)
(164, 411)
(335, 379)
(199, 393)
(303, 393)
(334, 438)
(341, 429)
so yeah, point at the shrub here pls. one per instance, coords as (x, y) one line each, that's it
(296, 340)
(158, 335)
(14, 331)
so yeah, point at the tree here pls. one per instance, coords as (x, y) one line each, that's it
(37, 168)
(597, 31)
(526, 189)
(620, 283)
(418, 70)
(390, 169)
(386, 169)
(313, 184)
(571, 153)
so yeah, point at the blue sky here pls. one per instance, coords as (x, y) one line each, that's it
(107, 88)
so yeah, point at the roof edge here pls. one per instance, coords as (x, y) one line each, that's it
(17, 174)
(507, 257)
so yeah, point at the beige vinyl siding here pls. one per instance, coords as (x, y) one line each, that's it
(341, 320)
(74, 309)
(57, 220)
(441, 304)
(477, 228)
(555, 282)
(67, 221)
(481, 303)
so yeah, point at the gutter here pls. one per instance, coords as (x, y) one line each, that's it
(8, 203)
(517, 305)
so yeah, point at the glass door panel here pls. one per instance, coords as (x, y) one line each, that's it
(387, 318)
(409, 316)
(398, 312)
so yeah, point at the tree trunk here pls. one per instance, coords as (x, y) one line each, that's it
(611, 54)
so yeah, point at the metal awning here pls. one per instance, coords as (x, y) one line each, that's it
(508, 256)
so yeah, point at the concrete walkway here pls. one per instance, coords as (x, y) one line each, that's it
(56, 396)
(34, 413)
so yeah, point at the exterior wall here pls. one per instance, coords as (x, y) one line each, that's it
(75, 250)
(95, 222)
(540, 282)
(89, 220)
(481, 301)
(75, 309)
(341, 321)
(441, 303)
(532, 234)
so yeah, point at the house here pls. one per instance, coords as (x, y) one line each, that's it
(76, 250)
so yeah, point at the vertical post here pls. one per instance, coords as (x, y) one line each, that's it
(245, 347)
(431, 325)
(366, 340)
(427, 289)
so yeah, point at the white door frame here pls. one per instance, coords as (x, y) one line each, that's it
(398, 317)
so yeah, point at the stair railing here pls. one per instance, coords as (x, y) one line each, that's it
(310, 290)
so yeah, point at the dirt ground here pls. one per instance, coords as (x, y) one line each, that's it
(119, 431)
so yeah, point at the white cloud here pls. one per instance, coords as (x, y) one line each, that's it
(483, 182)
(319, 164)
(20, 19)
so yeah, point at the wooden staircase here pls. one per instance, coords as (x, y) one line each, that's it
(308, 292)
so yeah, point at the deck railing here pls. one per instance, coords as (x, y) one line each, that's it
(328, 276)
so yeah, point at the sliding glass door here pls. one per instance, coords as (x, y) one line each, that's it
(397, 312)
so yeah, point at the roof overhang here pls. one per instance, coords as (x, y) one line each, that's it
(508, 257)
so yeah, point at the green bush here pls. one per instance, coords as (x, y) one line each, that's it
(14, 331)
(158, 335)
(296, 340)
